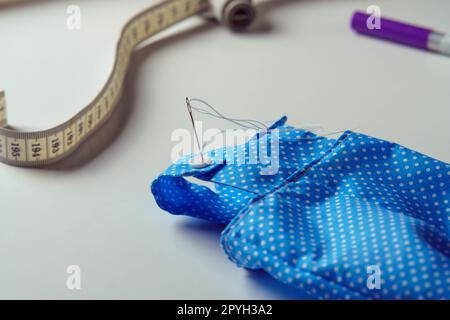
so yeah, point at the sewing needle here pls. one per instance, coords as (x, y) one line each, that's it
(189, 107)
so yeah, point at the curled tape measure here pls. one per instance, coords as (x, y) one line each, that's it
(41, 148)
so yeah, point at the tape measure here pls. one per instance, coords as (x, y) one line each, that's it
(41, 148)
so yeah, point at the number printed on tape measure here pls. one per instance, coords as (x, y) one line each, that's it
(16, 149)
(55, 145)
(37, 149)
(69, 137)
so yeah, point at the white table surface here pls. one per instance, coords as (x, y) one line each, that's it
(303, 61)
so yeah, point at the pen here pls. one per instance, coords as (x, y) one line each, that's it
(404, 33)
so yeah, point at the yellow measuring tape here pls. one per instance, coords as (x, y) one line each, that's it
(40, 148)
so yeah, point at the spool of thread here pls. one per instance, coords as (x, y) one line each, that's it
(235, 14)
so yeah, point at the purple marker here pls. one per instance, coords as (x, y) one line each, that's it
(399, 32)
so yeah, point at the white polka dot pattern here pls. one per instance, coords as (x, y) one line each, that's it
(334, 208)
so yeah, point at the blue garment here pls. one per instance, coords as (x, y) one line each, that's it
(348, 218)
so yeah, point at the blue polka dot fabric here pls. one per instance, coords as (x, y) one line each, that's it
(349, 218)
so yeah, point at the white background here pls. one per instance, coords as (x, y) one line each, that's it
(302, 60)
